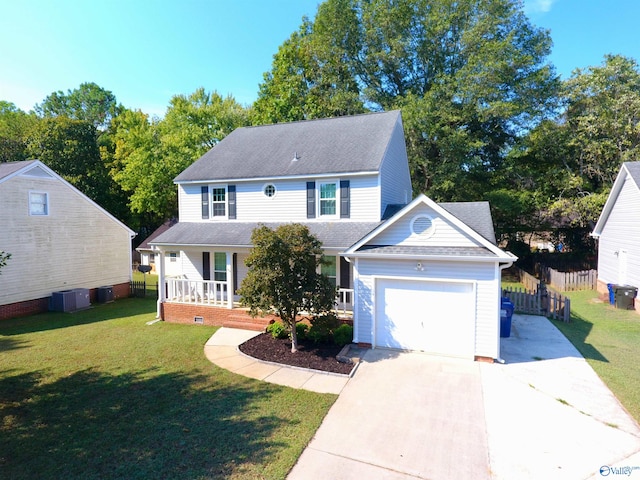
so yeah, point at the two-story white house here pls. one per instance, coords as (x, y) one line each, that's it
(406, 268)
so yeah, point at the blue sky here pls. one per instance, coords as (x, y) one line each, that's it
(146, 51)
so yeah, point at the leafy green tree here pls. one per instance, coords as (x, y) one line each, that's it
(284, 276)
(470, 76)
(310, 77)
(88, 102)
(603, 107)
(14, 128)
(149, 154)
(70, 148)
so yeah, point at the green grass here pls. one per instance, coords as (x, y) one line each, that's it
(100, 394)
(609, 339)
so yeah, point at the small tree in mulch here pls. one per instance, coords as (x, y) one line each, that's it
(283, 276)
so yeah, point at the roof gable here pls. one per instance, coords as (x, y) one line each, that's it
(37, 169)
(628, 170)
(312, 147)
(425, 228)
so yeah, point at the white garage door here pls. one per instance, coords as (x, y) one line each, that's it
(434, 317)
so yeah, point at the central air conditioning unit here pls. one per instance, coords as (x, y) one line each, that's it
(70, 300)
(64, 301)
(83, 300)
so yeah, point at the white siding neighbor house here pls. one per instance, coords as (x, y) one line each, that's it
(58, 239)
(347, 179)
(618, 232)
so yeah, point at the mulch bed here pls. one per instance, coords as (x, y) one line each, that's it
(309, 354)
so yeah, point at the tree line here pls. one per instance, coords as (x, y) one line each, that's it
(486, 116)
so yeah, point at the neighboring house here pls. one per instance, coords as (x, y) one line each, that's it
(148, 255)
(58, 240)
(415, 275)
(618, 231)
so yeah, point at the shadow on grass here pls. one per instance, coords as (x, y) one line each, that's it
(135, 426)
(97, 313)
(577, 333)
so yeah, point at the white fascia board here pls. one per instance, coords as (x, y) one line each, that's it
(623, 174)
(281, 177)
(435, 258)
(199, 245)
(422, 198)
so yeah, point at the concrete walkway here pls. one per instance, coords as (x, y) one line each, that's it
(222, 350)
(544, 413)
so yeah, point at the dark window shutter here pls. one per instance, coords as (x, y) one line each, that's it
(231, 191)
(345, 273)
(311, 199)
(234, 266)
(205, 202)
(206, 266)
(345, 199)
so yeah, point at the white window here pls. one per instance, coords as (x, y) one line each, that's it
(220, 267)
(219, 201)
(327, 193)
(38, 203)
(173, 256)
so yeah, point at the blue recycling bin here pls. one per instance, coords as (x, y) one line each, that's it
(506, 314)
(612, 294)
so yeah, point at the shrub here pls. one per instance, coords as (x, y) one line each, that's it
(343, 335)
(301, 330)
(322, 328)
(277, 330)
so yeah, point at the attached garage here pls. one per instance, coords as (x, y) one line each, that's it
(428, 279)
(430, 316)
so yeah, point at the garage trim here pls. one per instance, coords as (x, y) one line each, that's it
(431, 280)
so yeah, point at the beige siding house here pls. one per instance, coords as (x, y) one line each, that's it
(58, 239)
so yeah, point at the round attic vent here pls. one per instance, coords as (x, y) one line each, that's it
(422, 225)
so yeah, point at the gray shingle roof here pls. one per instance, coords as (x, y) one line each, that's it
(477, 215)
(332, 234)
(634, 171)
(8, 168)
(333, 145)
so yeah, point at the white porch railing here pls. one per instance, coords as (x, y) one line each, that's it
(209, 292)
(203, 292)
(344, 301)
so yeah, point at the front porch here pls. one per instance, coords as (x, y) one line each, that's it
(208, 302)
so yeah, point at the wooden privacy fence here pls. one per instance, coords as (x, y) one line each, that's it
(570, 281)
(540, 302)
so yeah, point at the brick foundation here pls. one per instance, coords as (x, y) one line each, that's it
(215, 316)
(23, 309)
(41, 305)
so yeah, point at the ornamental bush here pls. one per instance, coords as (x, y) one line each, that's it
(343, 335)
(277, 330)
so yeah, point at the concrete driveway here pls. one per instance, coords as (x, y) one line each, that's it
(542, 414)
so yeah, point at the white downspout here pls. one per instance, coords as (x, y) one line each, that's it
(501, 268)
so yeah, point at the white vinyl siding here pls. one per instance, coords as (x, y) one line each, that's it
(444, 232)
(482, 275)
(289, 204)
(395, 179)
(77, 245)
(621, 232)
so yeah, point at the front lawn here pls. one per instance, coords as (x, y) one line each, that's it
(100, 394)
(609, 339)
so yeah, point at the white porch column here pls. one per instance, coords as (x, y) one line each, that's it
(229, 279)
(161, 286)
